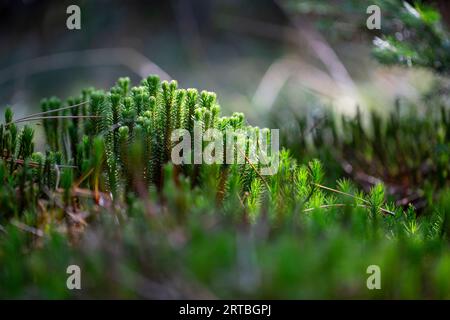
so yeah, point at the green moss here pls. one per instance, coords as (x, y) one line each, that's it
(116, 205)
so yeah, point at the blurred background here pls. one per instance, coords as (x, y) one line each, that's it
(260, 57)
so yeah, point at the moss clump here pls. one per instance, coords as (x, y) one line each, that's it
(106, 196)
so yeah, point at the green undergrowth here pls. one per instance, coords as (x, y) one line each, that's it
(105, 196)
(408, 149)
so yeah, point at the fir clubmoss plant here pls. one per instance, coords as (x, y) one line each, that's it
(106, 194)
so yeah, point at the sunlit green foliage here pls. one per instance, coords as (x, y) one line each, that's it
(105, 196)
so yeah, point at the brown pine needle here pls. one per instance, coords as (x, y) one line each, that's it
(36, 164)
(341, 192)
(55, 117)
(47, 112)
(350, 195)
(82, 178)
(27, 228)
(254, 168)
(327, 206)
